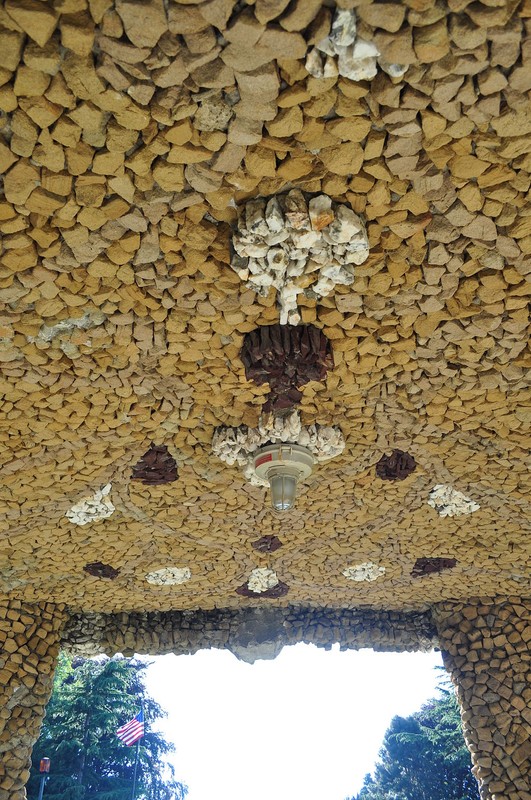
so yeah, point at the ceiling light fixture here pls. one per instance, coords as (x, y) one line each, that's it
(283, 466)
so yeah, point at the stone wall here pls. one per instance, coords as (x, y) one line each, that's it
(485, 644)
(249, 633)
(29, 644)
(486, 648)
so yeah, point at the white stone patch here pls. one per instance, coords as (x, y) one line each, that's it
(343, 53)
(169, 576)
(237, 445)
(448, 502)
(295, 246)
(92, 509)
(364, 572)
(261, 580)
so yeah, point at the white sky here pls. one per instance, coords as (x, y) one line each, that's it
(308, 724)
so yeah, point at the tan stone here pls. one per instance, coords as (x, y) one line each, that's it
(36, 19)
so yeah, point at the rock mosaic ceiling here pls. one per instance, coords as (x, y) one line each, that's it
(133, 136)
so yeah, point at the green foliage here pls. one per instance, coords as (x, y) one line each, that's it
(423, 757)
(90, 701)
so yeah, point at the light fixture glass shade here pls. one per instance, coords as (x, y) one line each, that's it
(283, 491)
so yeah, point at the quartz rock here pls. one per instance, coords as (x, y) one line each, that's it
(237, 445)
(169, 576)
(364, 572)
(281, 241)
(92, 509)
(262, 579)
(451, 503)
(342, 53)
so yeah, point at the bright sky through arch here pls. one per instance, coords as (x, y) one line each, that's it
(307, 725)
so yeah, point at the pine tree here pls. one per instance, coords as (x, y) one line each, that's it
(423, 757)
(90, 701)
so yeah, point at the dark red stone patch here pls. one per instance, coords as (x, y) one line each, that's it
(396, 467)
(276, 591)
(267, 544)
(99, 570)
(157, 466)
(427, 566)
(286, 357)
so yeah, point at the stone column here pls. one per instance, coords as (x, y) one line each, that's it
(29, 644)
(486, 648)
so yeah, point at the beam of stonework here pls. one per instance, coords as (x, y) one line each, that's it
(486, 648)
(251, 633)
(29, 644)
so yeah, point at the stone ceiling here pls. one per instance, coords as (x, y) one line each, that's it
(131, 132)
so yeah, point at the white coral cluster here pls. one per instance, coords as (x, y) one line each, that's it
(293, 245)
(262, 579)
(92, 509)
(343, 53)
(451, 503)
(169, 576)
(237, 445)
(364, 572)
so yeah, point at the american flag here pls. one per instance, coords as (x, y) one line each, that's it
(133, 730)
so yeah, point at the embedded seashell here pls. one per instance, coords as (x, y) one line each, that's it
(276, 238)
(321, 214)
(304, 240)
(277, 258)
(257, 249)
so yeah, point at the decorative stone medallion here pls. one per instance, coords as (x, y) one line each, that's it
(157, 466)
(99, 570)
(286, 357)
(169, 576)
(428, 566)
(367, 571)
(267, 544)
(237, 445)
(449, 502)
(395, 467)
(343, 52)
(263, 582)
(92, 509)
(297, 245)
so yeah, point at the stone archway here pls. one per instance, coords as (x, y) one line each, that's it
(485, 645)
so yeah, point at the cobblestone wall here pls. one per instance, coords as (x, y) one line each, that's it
(486, 648)
(485, 644)
(29, 643)
(249, 633)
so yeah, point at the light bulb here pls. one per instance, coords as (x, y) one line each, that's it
(283, 491)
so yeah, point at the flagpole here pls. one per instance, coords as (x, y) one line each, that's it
(136, 768)
(137, 753)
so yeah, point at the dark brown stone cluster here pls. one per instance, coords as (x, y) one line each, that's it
(396, 467)
(157, 466)
(286, 357)
(99, 570)
(267, 544)
(427, 566)
(279, 590)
